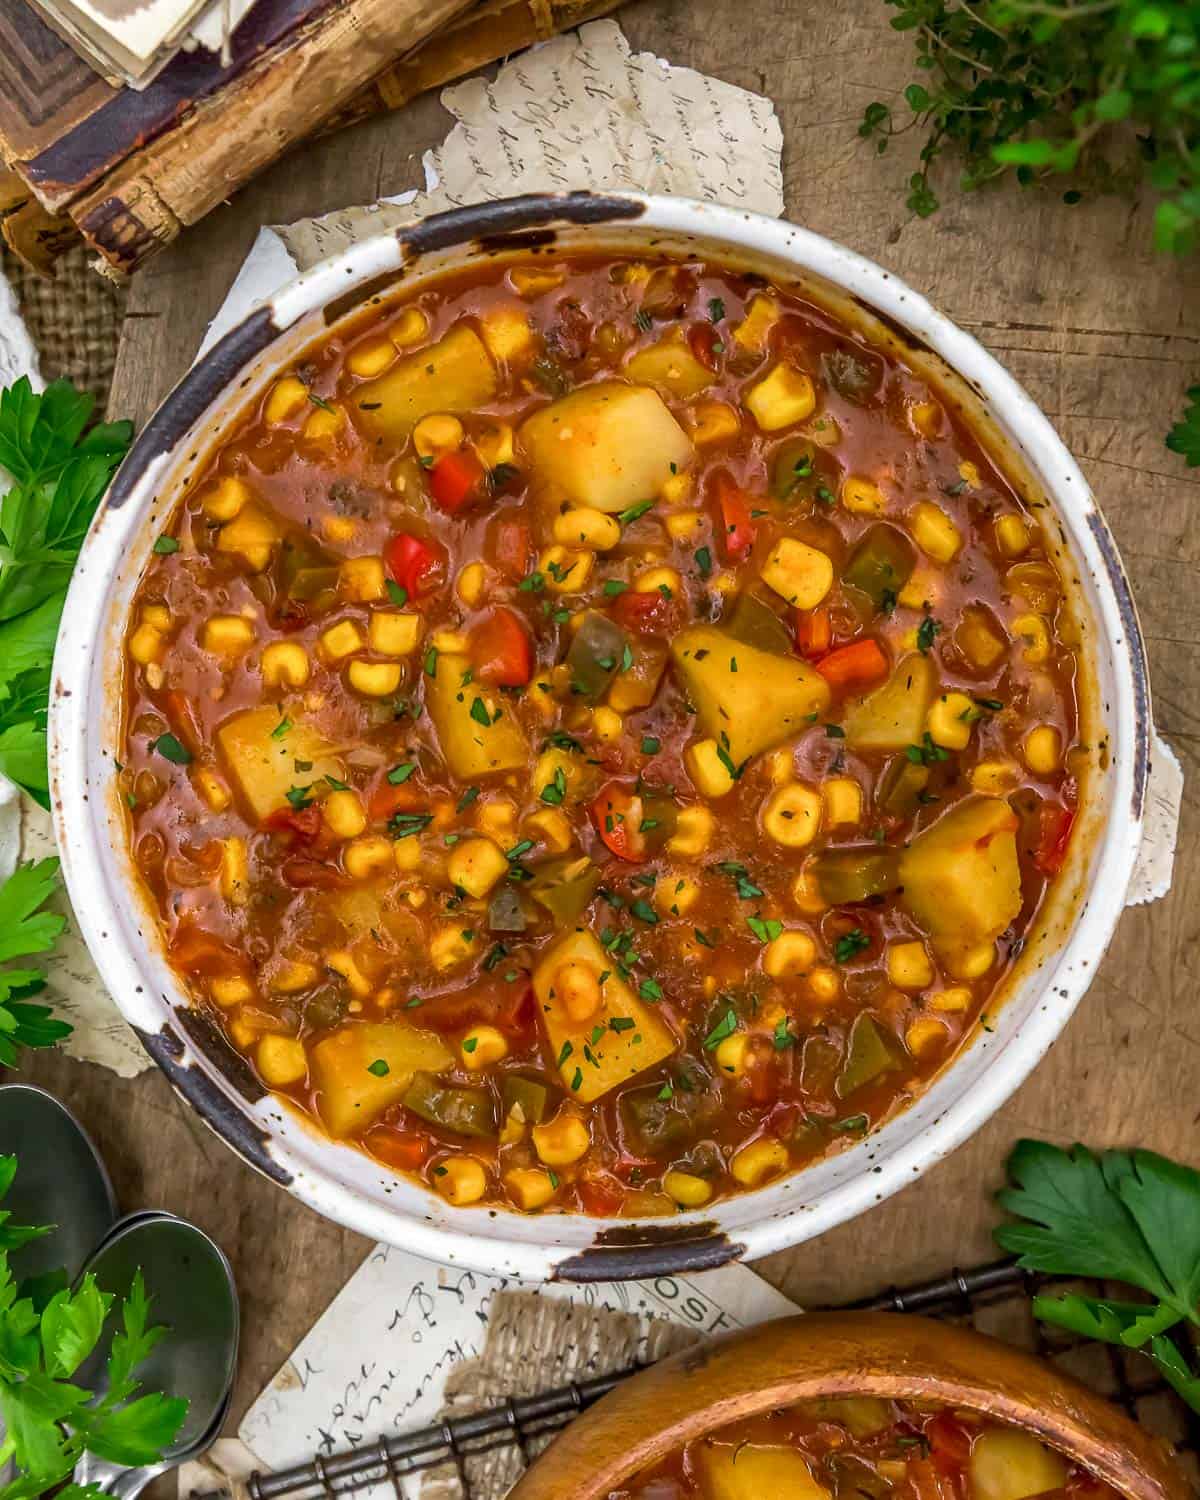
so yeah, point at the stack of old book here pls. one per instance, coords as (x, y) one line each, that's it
(124, 121)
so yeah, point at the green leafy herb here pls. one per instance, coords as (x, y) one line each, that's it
(554, 791)
(926, 753)
(1126, 1216)
(1184, 437)
(281, 729)
(927, 632)
(850, 944)
(632, 512)
(26, 930)
(726, 1026)
(716, 309)
(165, 545)
(405, 825)
(704, 561)
(470, 795)
(783, 1036)
(398, 595)
(398, 775)
(479, 712)
(380, 1068)
(650, 745)
(431, 661)
(320, 401)
(766, 931)
(644, 912)
(651, 990)
(643, 320)
(172, 749)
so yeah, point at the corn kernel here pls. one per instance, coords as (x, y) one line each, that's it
(535, 281)
(1012, 534)
(791, 815)
(497, 817)
(374, 679)
(529, 1188)
(366, 857)
(607, 723)
(731, 1054)
(688, 1190)
(800, 574)
(862, 498)
(922, 591)
(969, 474)
(471, 583)
(565, 572)
(693, 830)
(507, 333)
(577, 986)
(343, 814)
(407, 854)
(950, 719)
(710, 773)
(235, 871)
(231, 989)
(210, 786)
(1043, 750)
(157, 615)
(392, 633)
(324, 423)
(561, 1141)
(552, 827)
(713, 422)
(790, 954)
(784, 396)
(677, 488)
(1033, 632)
(371, 358)
(684, 524)
(481, 1046)
(437, 434)
(909, 966)
(450, 642)
(934, 532)
(971, 963)
(755, 328)
(409, 328)
(843, 801)
(450, 946)
(951, 1001)
(339, 529)
(293, 975)
(676, 894)
(281, 1060)
(361, 579)
(225, 498)
(824, 984)
(227, 635)
(475, 865)
(285, 664)
(994, 777)
(655, 580)
(759, 1160)
(925, 1035)
(342, 640)
(926, 417)
(147, 644)
(285, 398)
(460, 1180)
(586, 527)
(806, 893)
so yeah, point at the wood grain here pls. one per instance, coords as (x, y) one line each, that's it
(1104, 335)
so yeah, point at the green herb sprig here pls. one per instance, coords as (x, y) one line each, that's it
(25, 931)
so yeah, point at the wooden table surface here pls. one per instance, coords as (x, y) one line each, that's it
(1073, 301)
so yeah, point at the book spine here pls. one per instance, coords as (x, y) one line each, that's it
(144, 202)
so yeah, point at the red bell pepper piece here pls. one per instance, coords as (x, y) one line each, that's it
(417, 566)
(458, 479)
(405, 1150)
(853, 666)
(814, 632)
(649, 613)
(1054, 834)
(501, 650)
(736, 523)
(617, 815)
(598, 1198)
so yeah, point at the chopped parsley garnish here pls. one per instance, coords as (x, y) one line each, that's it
(632, 512)
(165, 545)
(398, 775)
(765, 930)
(716, 309)
(650, 745)
(403, 825)
(554, 792)
(431, 661)
(783, 1036)
(398, 595)
(704, 561)
(172, 749)
(725, 1027)
(644, 912)
(927, 632)
(379, 1067)
(281, 729)
(299, 796)
(470, 795)
(850, 944)
(926, 753)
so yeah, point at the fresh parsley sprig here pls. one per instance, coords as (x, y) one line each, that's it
(59, 473)
(26, 930)
(1125, 1216)
(47, 1331)
(1184, 437)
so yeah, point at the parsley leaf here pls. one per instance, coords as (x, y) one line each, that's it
(850, 944)
(1184, 437)
(26, 930)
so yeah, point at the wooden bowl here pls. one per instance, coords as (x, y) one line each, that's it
(846, 1354)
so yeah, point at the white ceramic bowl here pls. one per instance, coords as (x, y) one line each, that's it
(119, 927)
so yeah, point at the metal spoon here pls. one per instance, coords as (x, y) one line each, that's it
(192, 1289)
(60, 1180)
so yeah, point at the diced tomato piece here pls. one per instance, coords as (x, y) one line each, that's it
(517, 1012)
(510, 547)
(949, 1443)
(599, 1198)
(311, 874)
(406, 1150)
(196, 951)
(927, 1483)
(1054, 834)
(617, 814)
(303, 824)
(458, 479)
(702, 341)
(650, 613)
(418, 566)
(386, 800)
(183, 720)
(736, 523)
(814, 632)
(501, 650)
(857, 665)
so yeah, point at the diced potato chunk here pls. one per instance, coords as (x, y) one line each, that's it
(801, 574)
(454, 374)
(623, 1050)
(262, 763)
(671, 366)
(784, 396)
(748, 1471)
(893, 716)
(353, 1089)
(253, 534)
(471, 747)
(607, 445)
(745, 699)
(961, 878)
(1007, 1464)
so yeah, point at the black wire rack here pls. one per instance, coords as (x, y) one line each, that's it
(995, 1299)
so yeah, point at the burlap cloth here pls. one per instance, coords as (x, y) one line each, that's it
(74, 320)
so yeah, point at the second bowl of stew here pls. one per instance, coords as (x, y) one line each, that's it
(619, 724)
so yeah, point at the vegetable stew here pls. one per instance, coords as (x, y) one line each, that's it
(597, 734)
(864, 1448)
